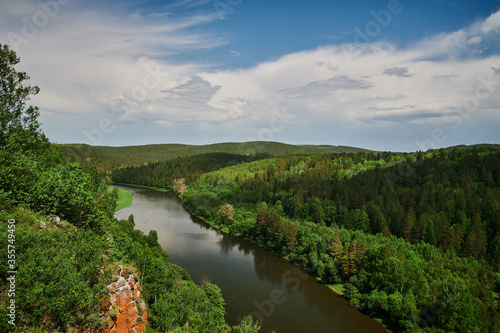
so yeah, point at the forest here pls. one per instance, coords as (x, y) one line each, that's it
(162, 174)
(61, 243)
(410, 238)
(108, 158)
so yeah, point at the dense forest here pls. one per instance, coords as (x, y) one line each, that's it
(413, 239)
(162, 174)
(109, 158)
(61, 244)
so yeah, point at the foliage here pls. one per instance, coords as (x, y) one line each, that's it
(247, 325)
(410, 236)
(17, 122)
(67, 189)
(176, 173)
(175, 302)
(58, 281)
(226, 212)
(179, 186)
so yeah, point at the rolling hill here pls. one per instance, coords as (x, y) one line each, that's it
(108, 158)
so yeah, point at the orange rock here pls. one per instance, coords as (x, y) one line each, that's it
(126, 296)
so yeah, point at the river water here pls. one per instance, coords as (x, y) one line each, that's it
(253, 281)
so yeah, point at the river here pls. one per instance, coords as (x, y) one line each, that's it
(253, 280)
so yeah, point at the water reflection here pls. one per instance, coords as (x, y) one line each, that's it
(228, 243)
(194, 236)
(195, 220)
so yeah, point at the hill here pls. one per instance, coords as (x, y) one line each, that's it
(108, 158)
(402, 234)
(478, 146)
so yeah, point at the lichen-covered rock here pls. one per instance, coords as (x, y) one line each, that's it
(125, 295)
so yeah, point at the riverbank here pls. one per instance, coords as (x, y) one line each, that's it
(125, 199)
(337, 289)
(247, 274)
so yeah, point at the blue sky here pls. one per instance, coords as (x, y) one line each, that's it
(385, 75)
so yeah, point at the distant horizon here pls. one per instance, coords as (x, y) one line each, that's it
(301, 144)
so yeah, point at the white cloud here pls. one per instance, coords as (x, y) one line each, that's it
(91, 65)
(376, 82)
(474, 40)
(492, 23)
(322, 88)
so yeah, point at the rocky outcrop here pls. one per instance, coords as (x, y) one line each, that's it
(127, 309)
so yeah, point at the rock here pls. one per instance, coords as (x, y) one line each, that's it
(56, 220)
(126, 294)
(120, 283)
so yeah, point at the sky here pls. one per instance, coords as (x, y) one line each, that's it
(395, 75)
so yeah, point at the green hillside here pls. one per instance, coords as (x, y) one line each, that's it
(411, 238)
(402, 234)
(108, 158)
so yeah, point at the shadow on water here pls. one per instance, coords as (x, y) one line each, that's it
(193, 236)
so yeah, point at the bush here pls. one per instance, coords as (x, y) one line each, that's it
(58, 281)
(247, 325)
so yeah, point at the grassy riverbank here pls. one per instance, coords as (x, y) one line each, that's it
(125, 199)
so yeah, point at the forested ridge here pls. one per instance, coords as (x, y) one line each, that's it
(162, 174)
(61, 245)
(411, 238)
(108, 158)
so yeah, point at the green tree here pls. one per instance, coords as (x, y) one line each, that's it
(24, 150)
(17, 121)
(458, 307)
(475, 242)
(361, 220)
(409, 223)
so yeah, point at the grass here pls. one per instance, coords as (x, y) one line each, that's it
(124, 199)
(339, 289)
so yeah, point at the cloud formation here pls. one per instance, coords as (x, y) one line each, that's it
(492, 23)
(397, 71)
(94, 64)
(323, 88)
